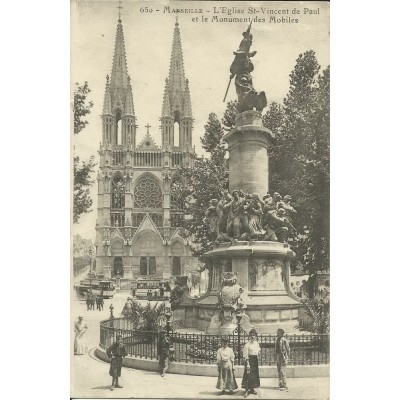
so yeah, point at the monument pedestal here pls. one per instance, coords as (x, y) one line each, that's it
(263, 271)
(248, 154)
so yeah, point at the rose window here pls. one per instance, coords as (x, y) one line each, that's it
(147, 194)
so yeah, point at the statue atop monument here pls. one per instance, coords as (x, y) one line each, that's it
(241, 67)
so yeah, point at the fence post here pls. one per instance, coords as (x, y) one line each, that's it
(239, 328)
(111, 319)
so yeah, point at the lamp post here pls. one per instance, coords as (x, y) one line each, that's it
(168, 315)
(90, 270)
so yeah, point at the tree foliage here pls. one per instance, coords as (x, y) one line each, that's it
(299, 158)
(203, 182)
(82, 182)
(148, 317)
(81, 107)
(318, 309)
(212, 140)
(82, 170)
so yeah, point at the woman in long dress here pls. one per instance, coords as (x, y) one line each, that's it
(251, 375)
(80, 340)
(225, 361)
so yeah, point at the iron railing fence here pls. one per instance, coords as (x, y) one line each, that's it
(199, 348)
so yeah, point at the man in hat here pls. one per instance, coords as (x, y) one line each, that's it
(100, 303)
(282, 352)
(164, 349)
(116, 352)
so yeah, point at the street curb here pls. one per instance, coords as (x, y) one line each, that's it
(292, 371)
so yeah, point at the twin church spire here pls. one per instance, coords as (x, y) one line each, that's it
(119, 120)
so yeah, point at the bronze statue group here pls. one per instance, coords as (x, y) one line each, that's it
(243, 216)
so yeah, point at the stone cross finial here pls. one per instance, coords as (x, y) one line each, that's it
(119, 10)
(147, 126)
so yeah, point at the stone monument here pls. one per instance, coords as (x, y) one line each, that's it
(250, 233)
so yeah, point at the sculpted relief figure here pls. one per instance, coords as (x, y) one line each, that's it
(255, 213)
(213, 218)
(229, 299)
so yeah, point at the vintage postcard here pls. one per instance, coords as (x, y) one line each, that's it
(201, 186)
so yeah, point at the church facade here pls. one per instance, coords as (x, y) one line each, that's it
(138, 220)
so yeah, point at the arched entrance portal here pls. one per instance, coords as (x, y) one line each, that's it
(118, 266)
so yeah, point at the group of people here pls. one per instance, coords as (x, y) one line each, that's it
(251, 376)
(225, 361)
(92, 299)
(244, 216)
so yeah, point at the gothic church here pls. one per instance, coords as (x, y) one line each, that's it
(137, 227)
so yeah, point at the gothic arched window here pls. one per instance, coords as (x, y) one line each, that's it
(152, 266)
(147, 193)
(143, 266)
(176, 266)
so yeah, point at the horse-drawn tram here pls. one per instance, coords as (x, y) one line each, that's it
(103, 288)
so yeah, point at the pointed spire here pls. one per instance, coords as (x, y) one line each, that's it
(187, 106)
(118, 94)
(166, 108)
(176, 70)
(107, 98)
(119, 73)
(174, 93)
(129, 108)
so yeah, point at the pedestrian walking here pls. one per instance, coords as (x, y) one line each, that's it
(101, 303)
(80, 339)
(93, 301)
(87, 301)
(116, 352)
(225, 363)
(165, 351)
(282, 352)
(251, 374)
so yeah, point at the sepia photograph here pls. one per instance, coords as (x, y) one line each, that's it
(200, 227)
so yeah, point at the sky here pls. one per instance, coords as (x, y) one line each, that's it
(207, 55)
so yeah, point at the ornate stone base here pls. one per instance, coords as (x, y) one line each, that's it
(263, 270)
